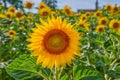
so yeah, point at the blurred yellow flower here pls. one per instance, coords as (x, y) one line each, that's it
(28, 5)
(19, 15)
(114, 24)
(98, 14)
(87, 14)
(11, 9)
(11, 33)
(8, 14)
(83, 24)
(54, 42)
(67, 10)
(103, 21)
(100, 28)
(2, 16)
(45, 12)
(108, 7)
(42, 5)
(115, 9)
(83, 17)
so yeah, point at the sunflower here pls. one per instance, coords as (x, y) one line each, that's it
(2, 16)
(83, 24)
(67, 10)
(11, 33)
(100, 28)
(42, 5)
(103, 21)
(114, 24)
(45, 12)
(87, 14)
(108, 7)
(55, 42)
(19, 15)
(98, 14)
(11, 9)
(8, 14)
(115, 9)
(83, 17)
(28, 5)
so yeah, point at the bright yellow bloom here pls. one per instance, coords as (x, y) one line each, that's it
(11, 33)
(115, 9)
(67, 10)
(19, 15)
(87, 14)
(100, 28)
(11, 9)
(28, 5)
(42, 5)
(8, 14)
(83, 24)
(103, 21)
(2, 16)
(83, 17)
(55, 42)
(108, 7)
(45, 12)
(98, 14)
(114, 24)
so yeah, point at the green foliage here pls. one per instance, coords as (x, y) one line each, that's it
(25, 68)
(85, 72)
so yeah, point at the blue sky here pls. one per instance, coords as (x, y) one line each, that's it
(78, 4)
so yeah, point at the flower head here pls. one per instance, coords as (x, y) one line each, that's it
(103, 21)
(100, 28)
(108, 7)
(28, 5)
(11, 9)
(98, 14)
(55, 42)
(11, 33)
(45, 12)
(42, 5)
(114, 24)
(67, 10)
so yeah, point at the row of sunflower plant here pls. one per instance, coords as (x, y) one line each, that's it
(59, 44)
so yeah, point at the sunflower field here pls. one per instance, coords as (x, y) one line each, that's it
(59, 44)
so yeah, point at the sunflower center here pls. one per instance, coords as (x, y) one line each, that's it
(108, 7)
(115, 25)
(81, 25)
(45, 13)
(101, 29)
(41, 7)
(18, 14)
(12, 10)
(98, 14)
(56, 41)
(103, 22)
(115, 9)
(67, 11)
(11, 33)
(8, 16)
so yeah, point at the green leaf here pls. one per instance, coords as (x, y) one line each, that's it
(83, 72)
(64, 77)
(111, 48)
(114, 74)
(23, 68)
(92, 78)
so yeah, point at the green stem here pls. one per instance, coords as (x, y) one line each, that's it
(56, 74)
(106, 77)
(42, 76)
(61, 70)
